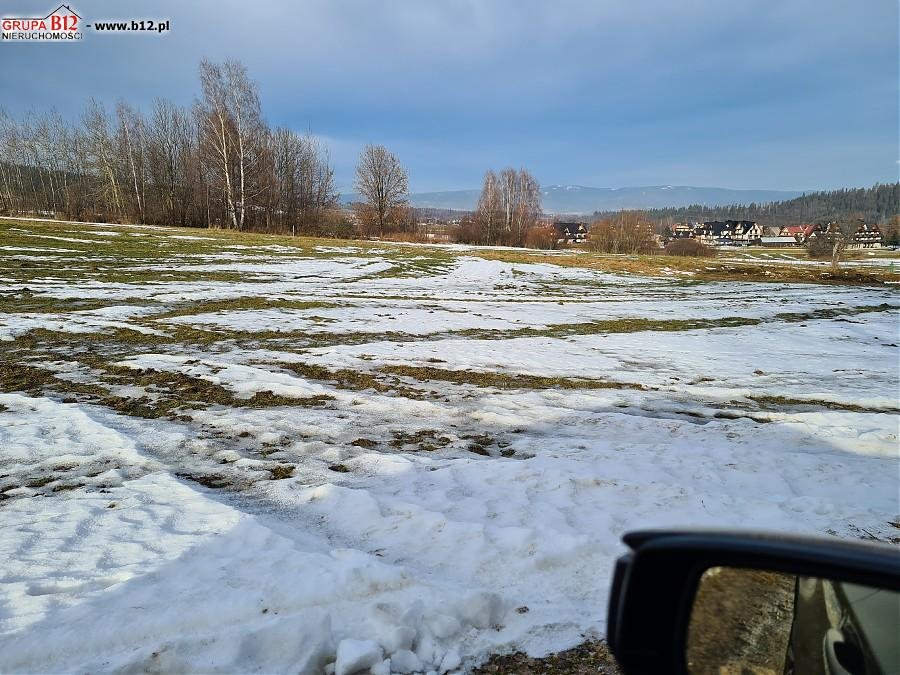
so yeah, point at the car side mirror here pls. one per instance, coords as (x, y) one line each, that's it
(724, 603)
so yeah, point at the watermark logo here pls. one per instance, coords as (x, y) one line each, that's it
(66, 25)
(62, 24)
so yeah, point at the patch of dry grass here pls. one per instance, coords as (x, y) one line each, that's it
(770, 402)
(499, 380)
(700, 269)
(165, 392)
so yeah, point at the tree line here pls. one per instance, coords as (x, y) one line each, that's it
(877, 204)
(214, 164)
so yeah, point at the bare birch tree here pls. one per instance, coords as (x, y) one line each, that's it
(526, 201)
(488, 213)
(132, 142)
(251, 135)
(217, 133)
(509, 206)
(233, 136)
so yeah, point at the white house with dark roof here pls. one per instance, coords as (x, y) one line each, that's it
(570, 232)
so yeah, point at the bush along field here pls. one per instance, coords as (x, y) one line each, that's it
(304, 455)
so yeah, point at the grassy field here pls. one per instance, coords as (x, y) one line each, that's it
(874, 267)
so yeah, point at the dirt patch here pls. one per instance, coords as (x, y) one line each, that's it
(268, 399)
(282, 471)
(480, 444)
(216, 481)
(591, 657)
(426, 440)
(740, 622)
(40, 482)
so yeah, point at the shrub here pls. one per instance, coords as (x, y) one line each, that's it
(468, 232)
(625, 232)
(414, 237)
(689, 247)
(541, 236)
(820, 246)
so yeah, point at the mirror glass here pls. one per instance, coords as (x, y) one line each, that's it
(756, 622)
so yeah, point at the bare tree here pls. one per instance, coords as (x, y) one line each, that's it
(526, 200)
(829, 243)
(508, 195)
(383, 182)
(488, 214)
(509, 207)
(251, 134)
(132, 142)
(102, 156)
(8, 189)
(15, 163)
(170, 147)
(232, 134)
(217, 132)
(302, 181)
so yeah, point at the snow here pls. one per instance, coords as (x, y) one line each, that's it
(356, 655)
(768, 359)
(73, 240)
(87, 321)
(383, 556)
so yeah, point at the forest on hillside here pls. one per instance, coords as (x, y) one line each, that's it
(877, 204)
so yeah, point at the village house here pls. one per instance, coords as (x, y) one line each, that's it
(795, 231)
(728, 232)
(830, 231)
(745, 232)
(750, 233)
(570, 233)
(715, 233)
(799, 232)
(866, 236)
(682, 230)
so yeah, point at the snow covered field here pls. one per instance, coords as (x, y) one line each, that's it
(221, 454)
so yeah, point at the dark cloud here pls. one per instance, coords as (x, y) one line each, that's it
(779, 94)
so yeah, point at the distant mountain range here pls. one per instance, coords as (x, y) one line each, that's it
(579, 199)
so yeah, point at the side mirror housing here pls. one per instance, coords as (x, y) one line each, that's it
(680, 599)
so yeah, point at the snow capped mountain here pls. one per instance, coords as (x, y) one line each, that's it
(580, 199)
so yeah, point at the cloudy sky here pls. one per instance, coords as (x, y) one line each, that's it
(790, 94)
